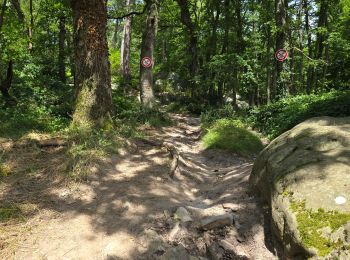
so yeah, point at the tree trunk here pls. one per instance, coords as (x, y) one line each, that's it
(31, 25)
(61, 49)
(310, 70)
(239, 46)
(269, 44)
(147, 50)
(17, 5)
(193, 42)
(92, 67)
(321, 38)
(5, 85)
(126, 54)
(2, 14)
(281, 22)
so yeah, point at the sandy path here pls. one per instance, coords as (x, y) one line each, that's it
(119, 212)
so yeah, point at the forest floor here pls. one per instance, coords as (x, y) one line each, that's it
(126, 210)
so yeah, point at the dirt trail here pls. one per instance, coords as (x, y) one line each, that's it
(125, 211)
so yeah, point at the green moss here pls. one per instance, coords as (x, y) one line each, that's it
(309, 225)
(232, 135)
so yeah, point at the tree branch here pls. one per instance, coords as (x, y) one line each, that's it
(131, 13)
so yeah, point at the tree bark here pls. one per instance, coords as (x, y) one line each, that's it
(281, 22)
(62, 50)
(92, 67)
(147, 50)
(126, 54)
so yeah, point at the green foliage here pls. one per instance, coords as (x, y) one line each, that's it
(211, 115)
(38, 109)
(130, 111)
(276, 118)
(232, 135)
(310, 222)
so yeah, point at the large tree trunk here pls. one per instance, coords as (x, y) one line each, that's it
(62, 50)
(125, 53)
(281, 21)
(147, 50)
(193, 42)
(92, 67)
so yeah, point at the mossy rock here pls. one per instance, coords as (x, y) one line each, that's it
(304, 175)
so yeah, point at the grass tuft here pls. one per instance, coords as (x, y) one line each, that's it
(232, 135)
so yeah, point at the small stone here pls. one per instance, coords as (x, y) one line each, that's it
(176, 253)
(176, 229)
(214, 252)
(183, 215)
(217, 221)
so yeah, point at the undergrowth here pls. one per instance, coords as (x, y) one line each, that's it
(232, 135)
(276, 118)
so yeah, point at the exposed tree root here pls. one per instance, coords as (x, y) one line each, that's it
(175, 156)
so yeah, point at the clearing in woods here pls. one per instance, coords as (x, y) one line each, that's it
(125, 211)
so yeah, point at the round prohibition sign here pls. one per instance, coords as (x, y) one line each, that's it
(281, 55)
(146, 62)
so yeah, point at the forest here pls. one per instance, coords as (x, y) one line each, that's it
(106, 102)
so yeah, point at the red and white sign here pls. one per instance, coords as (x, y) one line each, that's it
(281, 55)
(146, 62)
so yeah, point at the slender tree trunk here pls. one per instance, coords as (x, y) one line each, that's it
(321, 38)
(17, 5)
(126, 45)
(211, 50)
(310, 70)
(5, 85)
(239, 46)
(62, 49)
(300, 69)
(193, 42)
(147, 50)
(269, 44)
(281, 22)
(114, 43)
(2, 13)
(92, 67)
(31, 26)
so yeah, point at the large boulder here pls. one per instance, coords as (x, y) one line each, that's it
(304, 175)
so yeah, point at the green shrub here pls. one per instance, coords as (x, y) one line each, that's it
(211, 115)
(232, 135)
(276, 118)
(130, 111)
